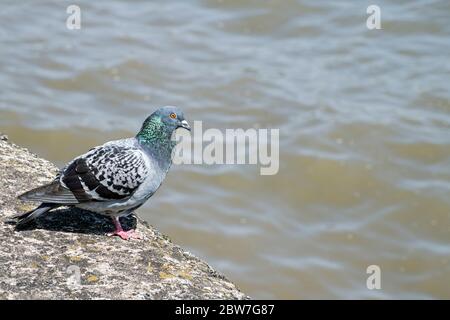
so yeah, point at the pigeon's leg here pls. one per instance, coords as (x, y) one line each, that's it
(133, 233)
(125, 235)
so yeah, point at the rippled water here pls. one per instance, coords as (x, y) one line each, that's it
(364, 119)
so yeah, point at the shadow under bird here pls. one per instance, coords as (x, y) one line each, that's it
(116, 178)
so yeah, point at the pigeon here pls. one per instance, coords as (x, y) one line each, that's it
(116, 178)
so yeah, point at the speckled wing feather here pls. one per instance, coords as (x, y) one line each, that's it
(105, 173)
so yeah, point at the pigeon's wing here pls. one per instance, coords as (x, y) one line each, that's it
(108, 172)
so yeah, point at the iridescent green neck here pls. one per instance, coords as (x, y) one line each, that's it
(156, 138)
(152, 131)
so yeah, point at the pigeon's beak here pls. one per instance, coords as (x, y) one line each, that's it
(185, 125)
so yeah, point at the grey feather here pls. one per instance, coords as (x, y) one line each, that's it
(51, 193)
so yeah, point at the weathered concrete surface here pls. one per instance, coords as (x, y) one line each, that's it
(44, 262)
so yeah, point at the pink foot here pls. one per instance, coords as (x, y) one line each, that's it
(125, 235)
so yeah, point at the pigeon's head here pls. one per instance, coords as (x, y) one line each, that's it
(160, 125)
(171, 117)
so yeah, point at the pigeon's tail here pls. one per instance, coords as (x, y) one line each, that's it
(51, 193)
(25, 218)
(38, 193)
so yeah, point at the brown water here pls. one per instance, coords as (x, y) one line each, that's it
(364, 119)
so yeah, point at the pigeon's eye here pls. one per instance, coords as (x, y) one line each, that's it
(173, 115)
